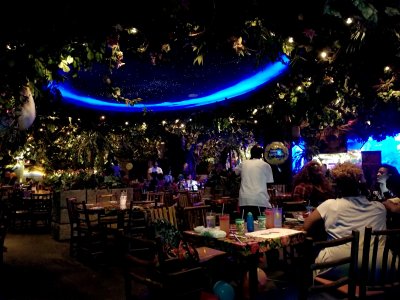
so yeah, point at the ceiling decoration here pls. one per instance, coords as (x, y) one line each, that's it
(198, 93)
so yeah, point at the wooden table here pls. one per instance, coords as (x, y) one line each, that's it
(107, 209)
(250, 248)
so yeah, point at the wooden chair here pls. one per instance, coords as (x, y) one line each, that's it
(93, 244)
(169, 214)
(19, 210)
(166, 213)
(161, 276)
(4, 222)
(380, 265)
(137, 221)
(195, 198)
(155, 197)
(40, 209)
(78, 228)
(194, 216)
(345, 285)
(137, 194)
(183, 199)
(105, 197)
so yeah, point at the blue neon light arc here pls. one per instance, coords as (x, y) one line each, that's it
(245, 86)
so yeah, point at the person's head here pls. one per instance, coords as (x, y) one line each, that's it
(389, 174)
(311, 172)
(349, 179)
(256, 151)
(386, 171)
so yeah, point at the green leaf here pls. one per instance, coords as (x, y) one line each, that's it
(198, 60)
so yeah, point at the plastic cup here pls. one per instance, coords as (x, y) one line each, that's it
(224, 223)
(269, 215)
(262, 220)
(239, 226)
(277, 217)
(210, 220)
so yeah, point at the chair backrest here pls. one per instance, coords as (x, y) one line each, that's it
(183, 199)
(194, 216)
(137, 221)
(347, 282)
(156, 197)
(76, 217)
(380, 269)
(105, 197)
(136, 194)
(41, 203)
(164, 213)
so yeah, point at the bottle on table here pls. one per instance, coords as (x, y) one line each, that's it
(250, 222)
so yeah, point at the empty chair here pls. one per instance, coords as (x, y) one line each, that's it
(19, 210)
(93, 243)
(195, 198)
(380, 272)
(137, 194)
(137, 221)
(162, 276)
(40, 209)
(343, 282)
(194, 216)
(4, 222)
(155, 197)
(183, 199)
(164, 213)
(105, 197)
(78, 228)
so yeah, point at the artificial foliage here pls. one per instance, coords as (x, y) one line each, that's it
(342, 78)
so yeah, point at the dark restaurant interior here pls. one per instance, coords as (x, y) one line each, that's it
(123, 125)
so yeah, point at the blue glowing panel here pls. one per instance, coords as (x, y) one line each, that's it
(245, 86)
(298, 155)
(389, 147)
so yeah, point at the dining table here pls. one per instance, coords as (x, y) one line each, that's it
(250, 245)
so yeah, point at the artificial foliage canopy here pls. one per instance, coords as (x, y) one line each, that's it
(344, 64)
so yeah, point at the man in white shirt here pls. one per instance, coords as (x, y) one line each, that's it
(154, 170)
(255, 175)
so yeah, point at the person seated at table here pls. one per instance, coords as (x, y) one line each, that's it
(387, 183)
(311, 185)
(351, 211)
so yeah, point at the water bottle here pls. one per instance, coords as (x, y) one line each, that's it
(250, 222)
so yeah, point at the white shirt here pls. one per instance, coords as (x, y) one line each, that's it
(151, 170)
(255, 174)
(343, 215)
(192, 185)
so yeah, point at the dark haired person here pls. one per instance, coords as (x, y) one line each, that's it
(311, 184)
(352, 211)
(255, 174)
(387, 183)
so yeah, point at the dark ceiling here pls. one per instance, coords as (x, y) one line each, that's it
(173, 78)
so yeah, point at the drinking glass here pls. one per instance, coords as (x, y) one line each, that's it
(210, 220)
(261, 222)
(269, 215)
(224, 223)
